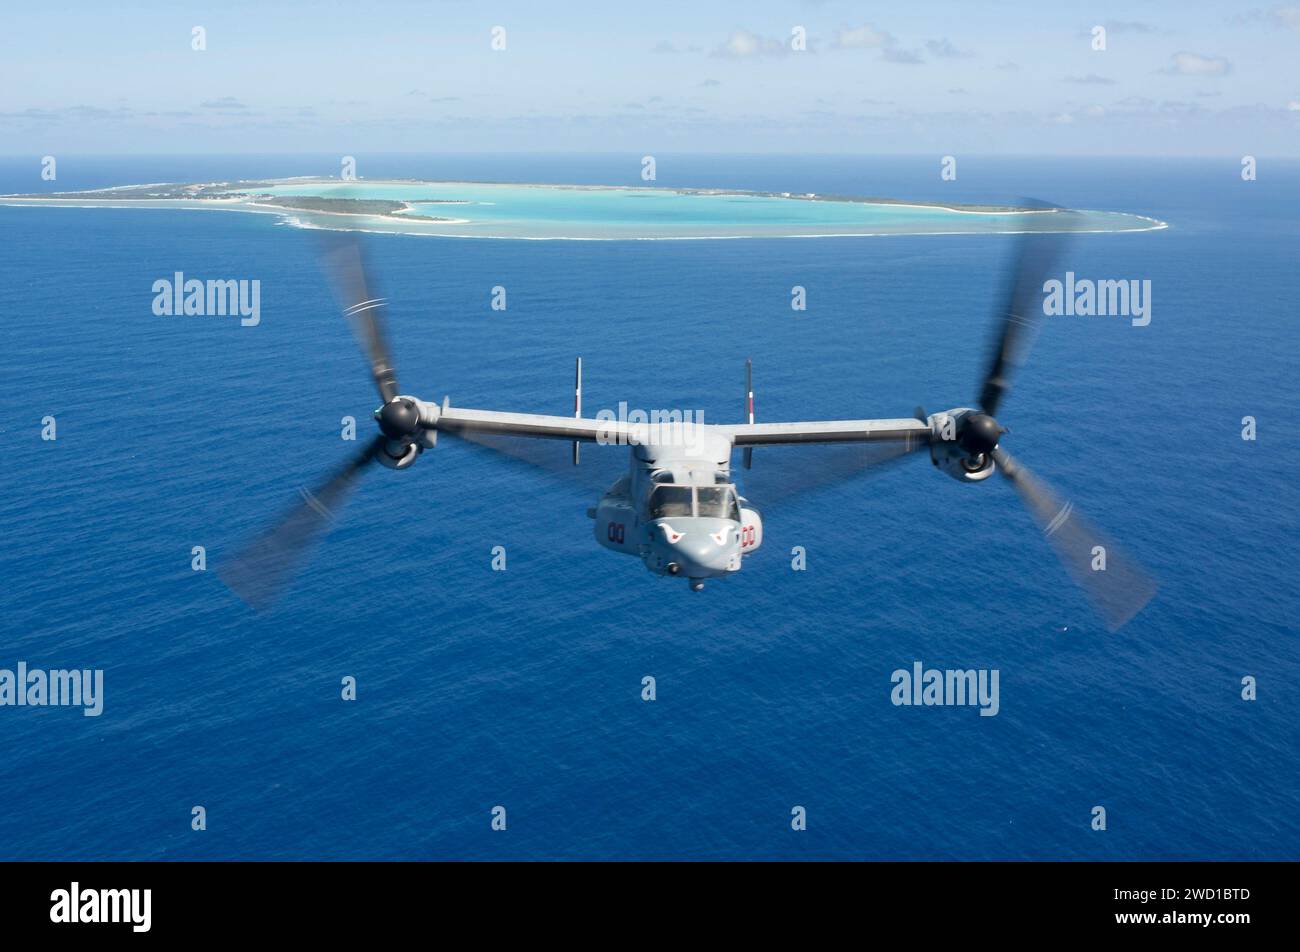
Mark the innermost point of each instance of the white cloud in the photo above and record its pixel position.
(1193, 64)
(893, 54)
(867, 37)
(1279, 18)
(945, 50)
(863, 37)
(1288, 17)
(743, 44)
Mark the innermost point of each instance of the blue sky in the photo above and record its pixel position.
(1188, 78)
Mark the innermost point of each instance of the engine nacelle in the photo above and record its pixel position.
(948, 455)
(968, 469)
(751, 529)
(397, 455)
(616, 525)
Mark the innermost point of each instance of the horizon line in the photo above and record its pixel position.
(1235, 156)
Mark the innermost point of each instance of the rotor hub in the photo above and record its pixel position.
(980, 434)
(399, 419)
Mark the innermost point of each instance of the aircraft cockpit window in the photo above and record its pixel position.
(668, 502)
(718, 502)
(663, 476)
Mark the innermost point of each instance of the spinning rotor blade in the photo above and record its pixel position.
(261, 570)
(343, 260)
(1122, 588)
(550, 459)
(789, 472)
(1022, 305)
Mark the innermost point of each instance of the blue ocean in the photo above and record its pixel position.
(523, 688)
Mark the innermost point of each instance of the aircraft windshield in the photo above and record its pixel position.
(670, 501)
(718, 502)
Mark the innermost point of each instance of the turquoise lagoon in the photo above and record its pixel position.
(484, 210)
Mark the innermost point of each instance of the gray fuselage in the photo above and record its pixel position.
(678, 511)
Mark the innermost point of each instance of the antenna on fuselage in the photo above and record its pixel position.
(577, 407)
(749, 406)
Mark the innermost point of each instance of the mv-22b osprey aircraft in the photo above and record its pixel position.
(677, 508)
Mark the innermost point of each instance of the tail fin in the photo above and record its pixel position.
(577, 407)
(749, 407)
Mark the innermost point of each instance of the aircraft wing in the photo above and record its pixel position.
(910, 432)
(470, 423)
(834, 448)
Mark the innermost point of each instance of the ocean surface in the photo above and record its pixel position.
(522, 688)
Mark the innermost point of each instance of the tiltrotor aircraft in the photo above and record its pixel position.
(677, 508)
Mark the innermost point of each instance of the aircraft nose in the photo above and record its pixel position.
(697, 551)
(703, 553)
